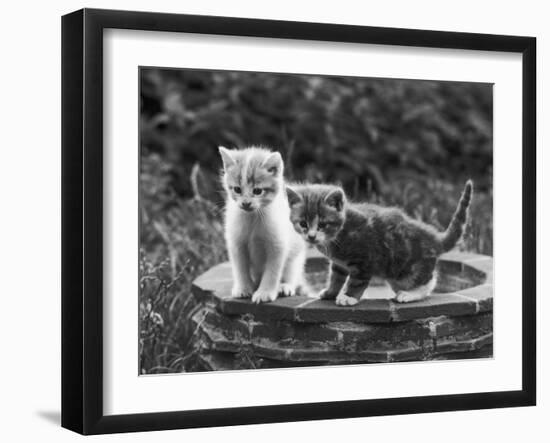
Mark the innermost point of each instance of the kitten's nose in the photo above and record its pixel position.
(246, 206)
(311, 237)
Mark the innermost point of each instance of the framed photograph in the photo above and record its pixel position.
(269, 221)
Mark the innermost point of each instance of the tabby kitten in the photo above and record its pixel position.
(364, 240)
(266, 254)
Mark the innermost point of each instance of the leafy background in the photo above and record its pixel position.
(408, 143)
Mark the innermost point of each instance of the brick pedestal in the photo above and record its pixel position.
(456, 321)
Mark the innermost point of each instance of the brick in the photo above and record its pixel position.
(459, 256)
(463, 345)
(281, 309)
(482, 295)
(217, 361)
(474, 275)
(216, 340)
(293, 331)
(483, 352)
(211, 279)
(335, 356)
(433, 306)
(365, 356)
(482, 263)
(320, 353)
(387, 336)
(411, 353)
(451, 282)
(214, 285)
(446, 266)
(367, 310)
(447, 326)
(231, 328)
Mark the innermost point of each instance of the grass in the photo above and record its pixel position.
(182, 238)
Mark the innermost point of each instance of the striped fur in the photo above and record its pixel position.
(456, 227)
(364, 240)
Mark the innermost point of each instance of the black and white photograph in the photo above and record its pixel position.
(275, 221)
(292, 220)
(281, 221)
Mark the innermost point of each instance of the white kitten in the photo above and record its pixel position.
(266, 253)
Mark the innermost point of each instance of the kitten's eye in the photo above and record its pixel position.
(321, 225)
(303, 224)
(237, 189)
(257, 191)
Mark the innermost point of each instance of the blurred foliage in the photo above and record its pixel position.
(410, 144)
(350, 130)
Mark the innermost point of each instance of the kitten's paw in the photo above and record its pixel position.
(346, 300)
(325, 294)
(287, 290)
(239, 291)
(264, 296)
(406, 297)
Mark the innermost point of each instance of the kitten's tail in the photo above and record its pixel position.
(454, 232)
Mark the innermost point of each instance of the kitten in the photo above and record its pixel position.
(366, 240)
(266, 254)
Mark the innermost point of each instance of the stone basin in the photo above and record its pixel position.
(453, 322)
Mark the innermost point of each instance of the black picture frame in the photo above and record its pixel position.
(82, 220)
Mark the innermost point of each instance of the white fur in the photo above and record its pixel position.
(266, 253)
(345, 300)
(417, 293)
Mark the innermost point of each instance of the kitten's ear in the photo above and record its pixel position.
(293, 197)
(227, 157)
(274, 163)
(336, 199)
